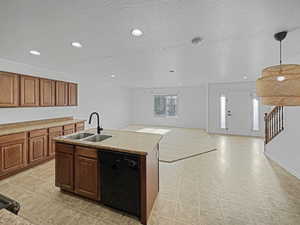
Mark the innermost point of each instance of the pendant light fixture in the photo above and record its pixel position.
(280, 84)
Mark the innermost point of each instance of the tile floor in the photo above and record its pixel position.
(236, 185)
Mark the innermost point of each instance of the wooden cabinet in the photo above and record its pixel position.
(9, 89)
(61, 93)
(64, 166)
(72, 88)
(79, 126)
(69, 129)
(53, 132)
(38, 145)
(87, 173)
(77, 170)
(13, 153)
(29, 91)
(47, 92)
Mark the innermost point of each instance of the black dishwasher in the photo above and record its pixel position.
(120, 181)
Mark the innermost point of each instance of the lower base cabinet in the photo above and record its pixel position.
(53, 133)
(64, 167)
(24, 150)
(85, 164)
(87, 173)
(13, 153)
(38, 145)
(69, 129)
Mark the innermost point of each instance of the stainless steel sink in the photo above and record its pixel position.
(97, 138)
(79, 136)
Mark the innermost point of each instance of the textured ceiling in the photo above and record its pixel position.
(238, 38)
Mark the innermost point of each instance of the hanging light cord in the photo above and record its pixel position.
(280, 54)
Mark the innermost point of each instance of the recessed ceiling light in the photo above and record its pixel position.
(196, 40)
(113, 76)
(34, 52)
(137, 32)
(76, 44)
(172, 71)
(245, 77)
(280, 78)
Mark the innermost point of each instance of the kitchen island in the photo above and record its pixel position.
(117, 168)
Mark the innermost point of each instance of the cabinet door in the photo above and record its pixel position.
(86, 176)
(51, 150)
(79, 126)
(30, 91)
(61, 93)
(9, 89)
(12, 156)
(47, 92)
(72, 94)
(64, 165)
(69, 129)
(37, 148)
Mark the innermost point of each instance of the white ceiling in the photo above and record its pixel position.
(238, 38)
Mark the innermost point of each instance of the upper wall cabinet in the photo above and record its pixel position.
(72, 94)
(47, 92)
(9, 89)
(18, 90)
(30, 91)
(61, 93)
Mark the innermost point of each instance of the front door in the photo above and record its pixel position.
(238, 113)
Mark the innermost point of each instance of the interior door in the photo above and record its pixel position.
(239, 111)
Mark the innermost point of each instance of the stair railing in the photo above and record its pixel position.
(273, 123)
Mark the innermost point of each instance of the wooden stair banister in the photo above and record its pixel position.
(273, 123)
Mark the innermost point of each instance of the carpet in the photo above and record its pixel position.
(179, 143)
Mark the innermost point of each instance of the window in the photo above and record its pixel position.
(165, 105)
(255, 112)
(223, 112)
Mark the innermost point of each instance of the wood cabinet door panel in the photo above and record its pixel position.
(70, 131)
(51, 150)
(12, 156)
(64, 166)
(72, 94)
(79, 126)
(37, 148)
(61, 93)
(47, 92)
(86, 177)
(30, 91)
(9, 89)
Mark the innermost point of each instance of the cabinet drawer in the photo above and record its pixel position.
(36, 133)
(69, 127)
(79, 126)
(86, 152)
(55, 129)
(12, 137)
(65, 148)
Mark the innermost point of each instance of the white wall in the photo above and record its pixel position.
(215, 91)
(284, 149)
(191, 107)
(111, 101)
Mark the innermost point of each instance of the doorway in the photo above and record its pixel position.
(239, 113)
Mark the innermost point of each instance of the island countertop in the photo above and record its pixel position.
(8, 218)
(121, 140)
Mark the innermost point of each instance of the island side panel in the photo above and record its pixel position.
(149, 182)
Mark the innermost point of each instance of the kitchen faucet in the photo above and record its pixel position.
(99, 129)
